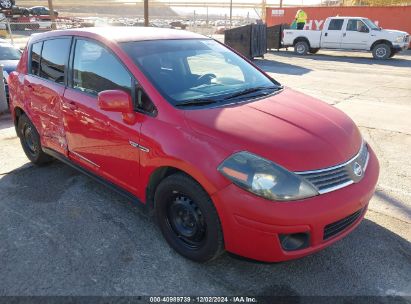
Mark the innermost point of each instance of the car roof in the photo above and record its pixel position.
(122, 33)
(350, 17)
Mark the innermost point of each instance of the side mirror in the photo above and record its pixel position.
(115, 101)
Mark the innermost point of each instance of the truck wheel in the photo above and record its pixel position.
(6, 4)
(187, 218)
(381, 51)
(314, 51)
(301, 48)
(30, 141)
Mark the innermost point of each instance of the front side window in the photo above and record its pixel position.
(35, 58)
(54, 59)
(356, 25)
(95, 69)
(335, 25)
(371, 24)
(189, 71)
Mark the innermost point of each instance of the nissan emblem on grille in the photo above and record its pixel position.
(357, 169)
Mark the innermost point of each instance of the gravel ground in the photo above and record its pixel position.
(61, 233)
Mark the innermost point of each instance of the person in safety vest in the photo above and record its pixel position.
(300, 19)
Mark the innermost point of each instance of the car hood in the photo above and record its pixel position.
(292, 129)
(9, 65)
(392, 33)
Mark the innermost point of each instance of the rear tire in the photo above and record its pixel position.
(30, 141)
(301, 48)
(381, 51)
(188, 219)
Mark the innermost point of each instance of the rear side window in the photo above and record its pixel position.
(54, 59)
(35, 58)
(96, 69)
(335, 24)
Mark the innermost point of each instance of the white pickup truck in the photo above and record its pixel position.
(348, 33)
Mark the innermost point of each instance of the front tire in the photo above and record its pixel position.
(30, 141)
(381, 51)
(188, 219)
(301, 48)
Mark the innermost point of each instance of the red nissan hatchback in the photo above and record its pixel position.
(223, 155)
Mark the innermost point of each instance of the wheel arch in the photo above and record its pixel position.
(160, 173)
(17, 113)
(301, 38)
(389, 43)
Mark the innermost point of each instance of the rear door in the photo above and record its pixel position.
(355, 35)
(44, 88)
(100, 140)
(331, 37)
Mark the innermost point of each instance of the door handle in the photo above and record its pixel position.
(30, 87)
(344, 34)
(326, 34)
(72, 105)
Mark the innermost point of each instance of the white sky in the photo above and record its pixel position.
(236, 12)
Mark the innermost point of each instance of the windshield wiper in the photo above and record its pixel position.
(251, 90)
(196, 102)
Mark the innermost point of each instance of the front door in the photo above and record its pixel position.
(356, 35)
(44, 88)
(99, 140)
(331, 37)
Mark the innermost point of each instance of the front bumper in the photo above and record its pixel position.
(398, 47)
(251, 225)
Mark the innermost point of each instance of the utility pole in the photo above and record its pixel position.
(52, 16)
(146, 13)
(231, 13)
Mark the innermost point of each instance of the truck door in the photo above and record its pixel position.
(331, 36)
(44, 87)
(355, 35)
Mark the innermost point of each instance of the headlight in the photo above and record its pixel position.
(399, 39)
(264, 178)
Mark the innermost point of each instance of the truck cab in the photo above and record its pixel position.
(348, 33)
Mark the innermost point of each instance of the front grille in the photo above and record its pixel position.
(337, 177)
(406, 38)
(335, 228)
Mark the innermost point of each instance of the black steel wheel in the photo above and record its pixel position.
(30, 141)
(188, 219)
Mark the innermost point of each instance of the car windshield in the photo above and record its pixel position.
(371, 24)
(9, 53)
(197, 71)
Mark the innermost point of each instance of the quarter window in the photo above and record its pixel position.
(54, 59)
(35, 58)
(95, 69)
(335, 24)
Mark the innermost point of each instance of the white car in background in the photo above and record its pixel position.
(348, 33)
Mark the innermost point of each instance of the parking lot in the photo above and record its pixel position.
(62, 233)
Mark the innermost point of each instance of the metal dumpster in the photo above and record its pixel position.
(274, 36)
(249, 40)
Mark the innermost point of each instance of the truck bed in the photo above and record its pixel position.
(313, 36)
